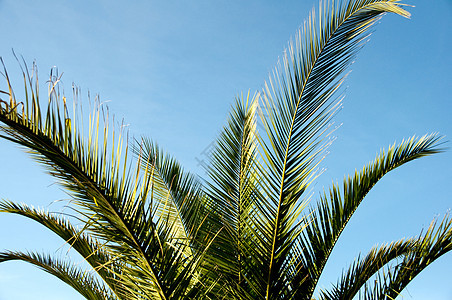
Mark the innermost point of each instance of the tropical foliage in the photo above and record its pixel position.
(150, 230)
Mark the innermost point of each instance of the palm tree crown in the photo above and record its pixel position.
(153, 231)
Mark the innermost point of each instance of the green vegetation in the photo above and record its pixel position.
(152, 231)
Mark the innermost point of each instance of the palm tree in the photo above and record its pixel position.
(150, 230)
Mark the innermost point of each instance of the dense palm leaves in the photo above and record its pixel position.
(152, 231)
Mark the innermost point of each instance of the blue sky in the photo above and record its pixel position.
(171, 69)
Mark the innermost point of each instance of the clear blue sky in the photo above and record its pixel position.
(171, 69)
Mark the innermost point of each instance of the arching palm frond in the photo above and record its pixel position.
(110, 195)
(88, 247)
(178, 204)
(364, 268)
(436, 241)
(335, 209)
(82, 281)
(392, 279)
(299, 103)
(176, 195)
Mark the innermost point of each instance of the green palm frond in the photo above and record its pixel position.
(299, 104)
(178, 205)
(431, 245)
(392, 267)
(110, 195)
(232, 188)
(176, 196)
(82, 281)
(335, 209)
(90, 249)
(364, 268)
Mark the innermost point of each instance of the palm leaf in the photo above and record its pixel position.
(233, 179)
(299, 104)
(178, 203)
(365, 268)
(176, 195)
(332, 213)
(153, 231)
(90, 249)
(430, 246)
(110, 195)
(411, 257)
(82, 281)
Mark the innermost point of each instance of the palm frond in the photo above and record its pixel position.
(232, 187)
(430, 246)
(334, 210)
(178, 203)
(385, 272)
(364, 268)
(176, 196)
(109, 194)
(88, 247)
(299, 104)
(82, 281)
